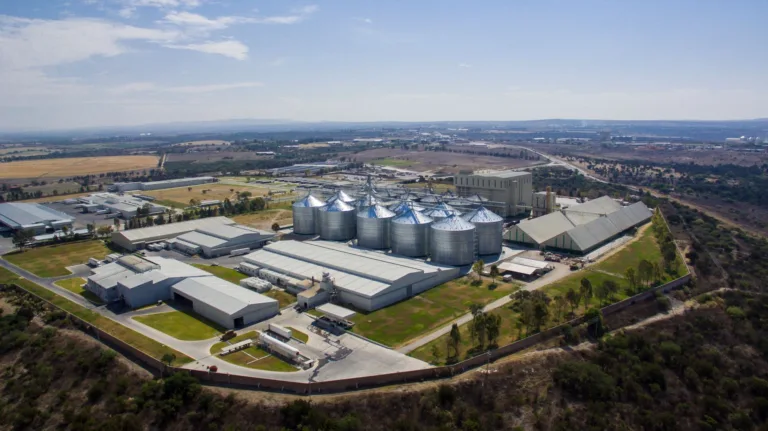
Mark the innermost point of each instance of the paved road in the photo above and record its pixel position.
(559, 272)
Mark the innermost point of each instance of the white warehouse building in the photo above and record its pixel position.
(124, 206)
(141, 281)
(367, 280)
(157, 185)
(35, 218)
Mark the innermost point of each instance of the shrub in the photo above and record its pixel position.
(585, 380)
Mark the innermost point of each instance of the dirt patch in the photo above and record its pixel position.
(444, 162)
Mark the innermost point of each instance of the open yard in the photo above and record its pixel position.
(180, 196)
(68, 167)
(444, 161)
(265, 219)
(75, 285)
(406, 320)
(252, 357)
(52, 260)
(284, 298)
(183, 325)
(229, 274)
(135, 339)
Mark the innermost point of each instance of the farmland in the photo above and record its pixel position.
(442, 161)
(182, 195)
(265, 219)
(210, 142)
(55, 168)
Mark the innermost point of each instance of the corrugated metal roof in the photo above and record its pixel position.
(308, 201)
(336, 311)
(441, 210)
(368, 200)
(579, 218)
(601, 205)
(589, 235)
(530, 262)
(375, 211)
(481, 215)
(340, 196)
(501, 174)
(201, 239)
(541, 229)
(170, 229)
(17, 215)
(453, 223)
(337, 206)
(220, 294)
(405, 206)
(514, 267)
(411, 216)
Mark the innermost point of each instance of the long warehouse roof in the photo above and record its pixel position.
(220, 294)
(17, 215)
(170, 229)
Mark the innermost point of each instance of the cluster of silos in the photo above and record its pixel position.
(441, 211)
(337, 218)
(452, 241)
(489, 230)
(410, 233)
(305, 215)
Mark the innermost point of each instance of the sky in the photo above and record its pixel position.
(97, 63)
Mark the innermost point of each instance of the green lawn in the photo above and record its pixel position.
(75, 285)
(301, 336)
(229, 274)
(135, 339)
(245, 358)
(406, 320)
(284, 298)
(645, 247)
(52, 260)
(183, 325)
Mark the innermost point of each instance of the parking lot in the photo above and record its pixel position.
(81, 219)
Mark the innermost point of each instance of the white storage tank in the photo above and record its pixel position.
(410, 234)
(278, 346)
(452, 241)
(304, 213)
(489, 230)
(281, 330)
(338, 221)
(374, 225)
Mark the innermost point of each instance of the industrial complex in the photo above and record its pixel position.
(157, 185)
(36, 218)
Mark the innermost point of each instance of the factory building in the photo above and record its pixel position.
(220, 239)
(580, 228)
(367, 280)
(140, 281)
(157, 185)
(512, 188)
(136, 239)
(124, 206)
(36, 218)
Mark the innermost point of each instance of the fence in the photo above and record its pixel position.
(302, 388)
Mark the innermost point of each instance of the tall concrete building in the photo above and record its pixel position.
(513, 188)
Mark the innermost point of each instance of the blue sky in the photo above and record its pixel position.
(83, 63)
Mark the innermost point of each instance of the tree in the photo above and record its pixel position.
(455, 339)
(611, 288)
(601, 293)
(477, 267)
(160, 219)
(595, 325)
(22, 238)
(91, 229)
(103, 231)
(560, 304)
(478, 328)
(573, 298)
(585, 288)
(244, 195)
(645, 272)
(435, 353)
(65, 230)
(168, 358)
(631, 277)
(275, 227)
(494, 272)
(492, 328)
(117, 224)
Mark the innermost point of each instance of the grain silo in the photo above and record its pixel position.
(403, 206)
(441, 211)
(341, 196)
(410, 233)
(374, 225)
(430, 199)
(452, 241)
(366, 201)
(489, 230)
(337, 221)
(304, 213)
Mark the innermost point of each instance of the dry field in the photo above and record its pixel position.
(265, 219)
(214, 156)
(201, 143)
(439, 161)
(67, 167)
(314, 145)
(182, 195)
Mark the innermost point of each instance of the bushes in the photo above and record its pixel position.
(585, 380)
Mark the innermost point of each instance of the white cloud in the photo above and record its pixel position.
(465, 65)
(147, 87)
(228, 48)
(196, 20)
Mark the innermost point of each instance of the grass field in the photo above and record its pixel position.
(52, 260)
(75, 285)
(229, 274)
(265, 219)
(67, 167)
(182, 325)
(283, 298)
(406, 320)
(644, 247)
(247, 358)
(182, 195)
(135, 339)
(299, 335)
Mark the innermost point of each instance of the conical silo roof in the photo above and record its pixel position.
(308, 201)
(367, 200)
(337, 206)
(481, 215)
(404, 206)
(376, 211)
(477, 198)
(442, 210)
(411, 216)
(430, 199)
(453, 223)
(341, 196)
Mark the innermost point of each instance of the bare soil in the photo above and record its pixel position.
(214, 156)
(443, 162)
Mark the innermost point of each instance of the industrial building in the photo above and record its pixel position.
(580, 228)
(36, 218)
(367, 280)
(125, 206)
(157, 185)
(514, 189)
(140, 281)
(213, 235)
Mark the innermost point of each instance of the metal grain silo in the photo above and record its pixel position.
(304, 213)
(489, 230)
(430, 199)
(410, 233)
(374, 225)
(441, 211)
(337, 221)
(452, 241)
(366, 201)
(403, 206)
(340, 196)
